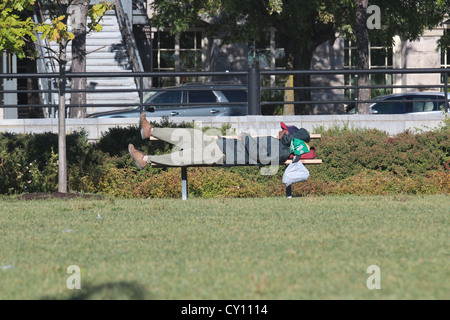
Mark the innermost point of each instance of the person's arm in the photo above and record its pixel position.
(286, 140)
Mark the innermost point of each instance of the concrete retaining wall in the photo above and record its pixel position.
(392, 124)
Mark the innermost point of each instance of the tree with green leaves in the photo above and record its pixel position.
(16, 27)
(57, 31)
(302, 25)
(17, 31)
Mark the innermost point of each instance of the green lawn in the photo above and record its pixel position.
(266, 248)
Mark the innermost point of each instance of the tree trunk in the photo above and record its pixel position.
(78, 13)
(299, 58)
(302, 61)
(362, 43)
(62, 150)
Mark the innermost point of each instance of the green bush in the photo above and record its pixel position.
(348, 152)
(203, 182)
(29, 162)
(216, 182)
(377, 183)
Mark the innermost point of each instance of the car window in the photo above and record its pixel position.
(391, 107)
(166, 97)
(441, 104)
(235, 95)
(201, 96)
(424, 103)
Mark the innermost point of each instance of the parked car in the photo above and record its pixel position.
(409, 103)
(189, 100)
(424, 102)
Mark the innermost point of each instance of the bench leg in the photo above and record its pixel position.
(289, 191)
(184, 183)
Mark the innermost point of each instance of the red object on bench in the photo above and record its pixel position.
(310, 155)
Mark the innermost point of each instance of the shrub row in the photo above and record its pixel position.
(349, 152)
(215, 182)
(356, 161)
(29, 162)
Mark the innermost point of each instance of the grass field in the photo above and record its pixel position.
(267, 248)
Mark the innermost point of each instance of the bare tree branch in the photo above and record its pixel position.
(76, 57)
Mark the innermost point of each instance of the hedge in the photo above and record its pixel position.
(355, 161)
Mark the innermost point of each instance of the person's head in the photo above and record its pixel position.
(286, 130)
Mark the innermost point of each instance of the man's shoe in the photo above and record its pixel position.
(138, 156)
(146, 127)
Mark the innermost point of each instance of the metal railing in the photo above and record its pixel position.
(252, 80)
(123, 17)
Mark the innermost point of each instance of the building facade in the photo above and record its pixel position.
(129, 43)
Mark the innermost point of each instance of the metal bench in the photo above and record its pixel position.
(184, 180)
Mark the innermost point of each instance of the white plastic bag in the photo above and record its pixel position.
(295, 172)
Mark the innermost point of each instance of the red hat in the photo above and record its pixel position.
(290, 129)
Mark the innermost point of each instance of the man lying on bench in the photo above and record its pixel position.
(194, 148)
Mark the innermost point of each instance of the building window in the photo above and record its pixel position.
(379, 58)
(191, 51)
(265, 55)
(177, 53)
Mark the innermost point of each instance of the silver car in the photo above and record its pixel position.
(189, 100)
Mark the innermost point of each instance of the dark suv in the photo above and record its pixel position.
(424, 102)
(401, 103)
(189, 100)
